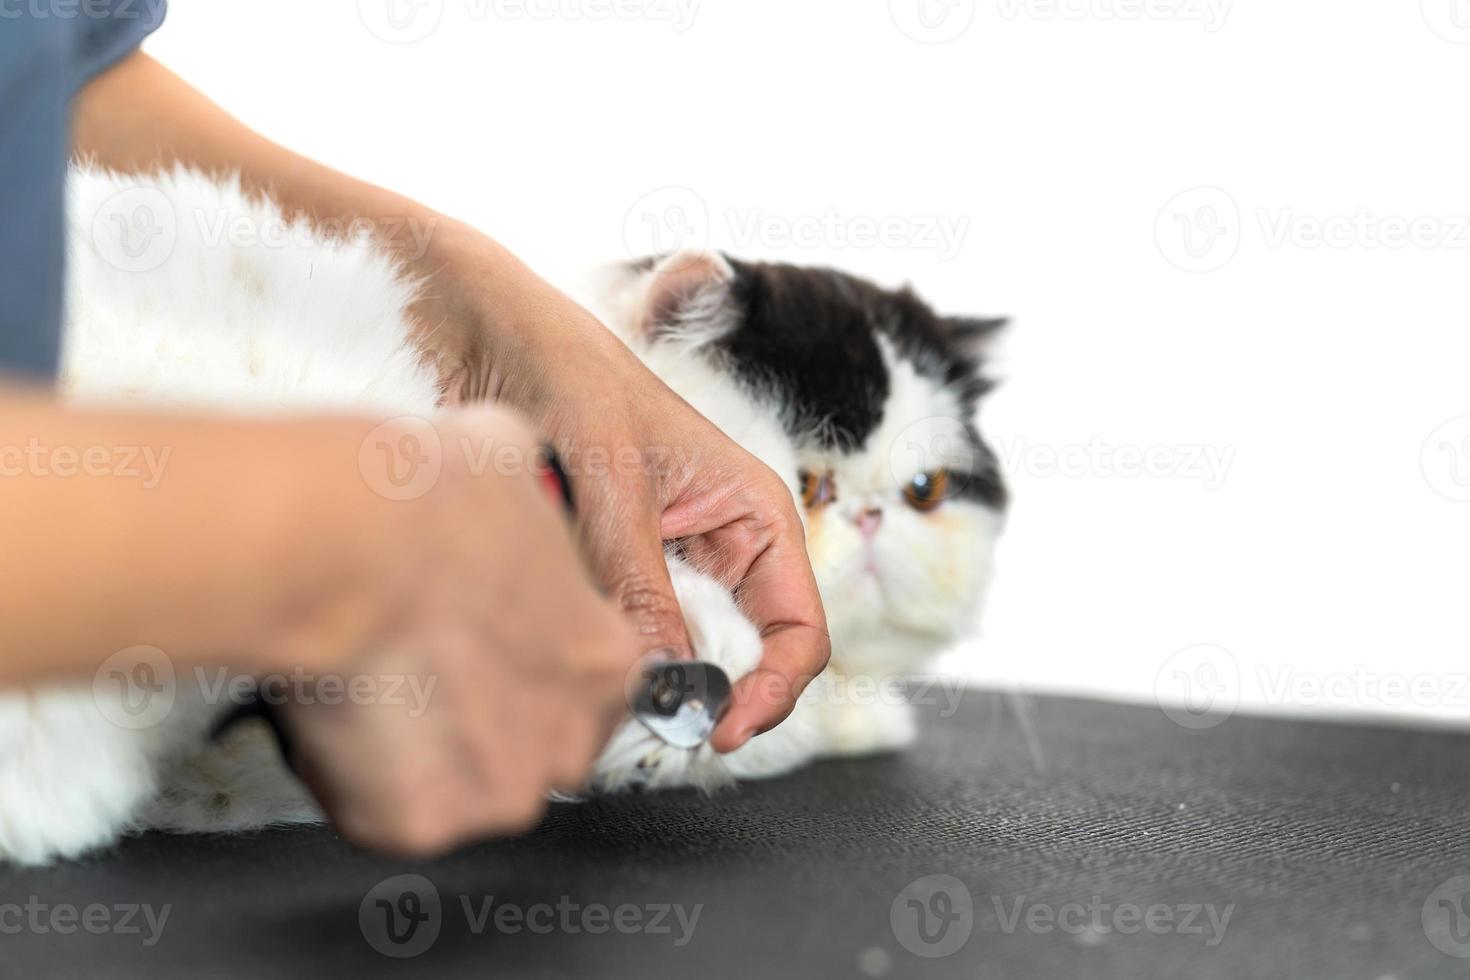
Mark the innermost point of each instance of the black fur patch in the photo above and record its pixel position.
(810, 337)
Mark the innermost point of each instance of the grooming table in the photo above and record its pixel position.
(1336, 848)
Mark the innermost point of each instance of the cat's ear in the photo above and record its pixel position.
(972, 337)
(684, 290)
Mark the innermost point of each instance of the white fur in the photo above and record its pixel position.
(242, 324)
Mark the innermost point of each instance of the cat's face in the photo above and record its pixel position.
(875, 397)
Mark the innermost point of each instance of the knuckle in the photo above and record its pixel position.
(654, 611)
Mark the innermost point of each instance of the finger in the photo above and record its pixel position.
(779, 593)
(621, 536)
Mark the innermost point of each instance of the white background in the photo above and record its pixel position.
(1058, 137)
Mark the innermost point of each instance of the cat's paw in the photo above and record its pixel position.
(237, 782)
(856, 719)
(70, 780)
(721, 635)
(635, 758)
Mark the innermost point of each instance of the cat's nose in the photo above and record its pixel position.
(868, 521)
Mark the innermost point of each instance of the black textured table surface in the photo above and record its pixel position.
(1116, 844)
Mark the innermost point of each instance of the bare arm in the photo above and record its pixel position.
(189, 535)
(139, 115)
(498, 330)
(261, 545)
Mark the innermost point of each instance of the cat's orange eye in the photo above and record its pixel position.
(817, 489)
(927, 490)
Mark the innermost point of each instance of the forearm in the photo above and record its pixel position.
(488, 320)
(196, 537)
(139, 116)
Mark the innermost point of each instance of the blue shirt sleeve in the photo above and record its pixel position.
(47, 52)
(112, 30)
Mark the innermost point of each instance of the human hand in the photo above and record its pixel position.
(646, 467)
(483, 600)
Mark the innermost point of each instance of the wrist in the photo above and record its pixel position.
(329, 560)
(493, 325)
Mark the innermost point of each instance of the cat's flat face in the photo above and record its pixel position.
(864, 400)
(903, 500)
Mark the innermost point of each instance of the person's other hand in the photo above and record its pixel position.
(646, 467)
(521, 663)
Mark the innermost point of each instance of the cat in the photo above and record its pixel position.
(862, 398)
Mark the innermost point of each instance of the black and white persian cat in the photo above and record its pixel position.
(863, 399)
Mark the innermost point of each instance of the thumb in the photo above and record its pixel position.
(627, 556)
